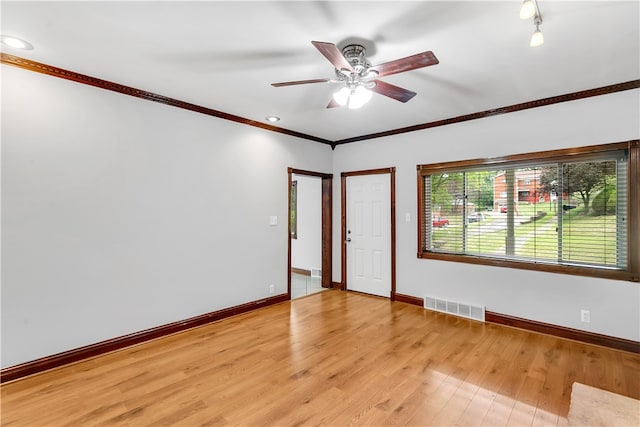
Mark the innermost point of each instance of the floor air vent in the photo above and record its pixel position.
(456, 308)
(316, 272)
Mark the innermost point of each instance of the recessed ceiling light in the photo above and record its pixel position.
(272, 119)
(15, 43)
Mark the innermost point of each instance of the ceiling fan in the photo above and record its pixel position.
(360, 78)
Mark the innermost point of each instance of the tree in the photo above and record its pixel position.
(549, 179)
(583, 178)
(604, 202)
(443, 190)
(480, 188)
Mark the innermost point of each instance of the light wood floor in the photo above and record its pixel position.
(333, 358)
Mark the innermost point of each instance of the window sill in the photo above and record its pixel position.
(575, 270)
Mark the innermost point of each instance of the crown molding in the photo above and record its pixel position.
(50, 70)
(573, 96)
(39, 67)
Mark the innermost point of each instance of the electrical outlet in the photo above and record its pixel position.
(585, 316)
(272, 289)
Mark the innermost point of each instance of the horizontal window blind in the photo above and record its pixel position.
(590, 221)
(571, 213)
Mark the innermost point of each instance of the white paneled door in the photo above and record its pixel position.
(369, 234)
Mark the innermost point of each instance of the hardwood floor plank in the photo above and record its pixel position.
(434, 401)
(333, 358)
(477, 409)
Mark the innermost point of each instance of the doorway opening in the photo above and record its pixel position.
(309, 259)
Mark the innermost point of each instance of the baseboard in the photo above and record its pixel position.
(545, 328)
(408, 299)
(337, 285)
(43, 364)
(564, 332)
(301, 271)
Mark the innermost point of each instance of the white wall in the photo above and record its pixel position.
(545, 297)
(306, 250)
(120, 214)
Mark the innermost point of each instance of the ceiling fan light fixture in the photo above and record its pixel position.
(342, 96)
(358, 97)
(527, 10)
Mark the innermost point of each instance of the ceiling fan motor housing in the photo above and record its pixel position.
(354, 53)
(360, 76)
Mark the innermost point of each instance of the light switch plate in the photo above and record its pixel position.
(273, 220)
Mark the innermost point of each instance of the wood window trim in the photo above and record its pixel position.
(632, 273)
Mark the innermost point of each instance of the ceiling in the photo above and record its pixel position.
(224, 55)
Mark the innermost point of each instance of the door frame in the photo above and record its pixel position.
(343, 218)
(327, 231)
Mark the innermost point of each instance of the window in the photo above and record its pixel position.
(574, 215)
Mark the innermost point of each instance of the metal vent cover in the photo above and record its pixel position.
(470, 311)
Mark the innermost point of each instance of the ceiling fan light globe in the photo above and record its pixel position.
(359, 97)
(527, 10)
(342, 96)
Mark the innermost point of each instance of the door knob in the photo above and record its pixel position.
(348, 239)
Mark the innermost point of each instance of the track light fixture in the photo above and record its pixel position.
(527, 10)
(530, 9)
(537, 38)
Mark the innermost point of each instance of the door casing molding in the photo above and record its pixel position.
(327, 230)
(343, 219)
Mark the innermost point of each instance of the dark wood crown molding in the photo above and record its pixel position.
(605, 90)
(50, 70)
(150, 96)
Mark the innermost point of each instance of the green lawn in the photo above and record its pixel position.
(585, 238)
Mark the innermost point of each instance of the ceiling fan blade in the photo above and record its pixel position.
(395, 92)
(331, 52)
(300, 82)
(412, 62)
